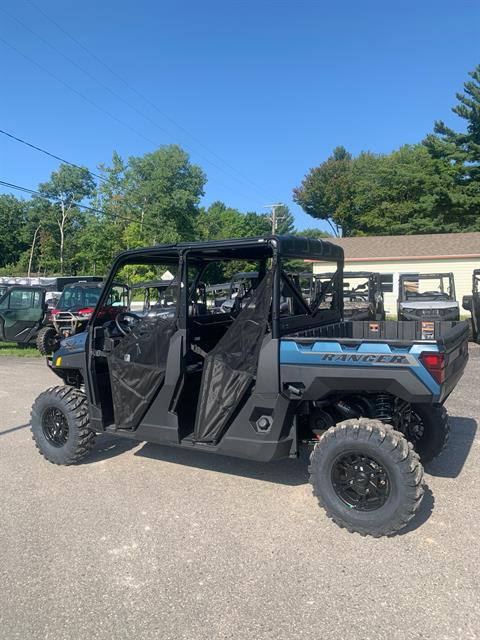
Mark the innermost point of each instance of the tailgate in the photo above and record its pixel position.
(454, 344)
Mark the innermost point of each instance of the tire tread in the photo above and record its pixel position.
(394, 444)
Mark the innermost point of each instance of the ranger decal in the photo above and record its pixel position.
(365, 358)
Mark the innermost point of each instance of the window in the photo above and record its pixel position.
(22, 299)
(386, 280)
(145, 289)
(427, 287)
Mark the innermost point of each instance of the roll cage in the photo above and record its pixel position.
(162, 357)
(273, 249)
(404, 294)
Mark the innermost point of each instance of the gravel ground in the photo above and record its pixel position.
(144, 541)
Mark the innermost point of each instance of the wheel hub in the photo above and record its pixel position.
(55, 426)
(360, 482)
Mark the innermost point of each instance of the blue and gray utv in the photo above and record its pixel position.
(275, 374)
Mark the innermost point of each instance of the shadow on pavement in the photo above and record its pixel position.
(21, 426)
(289, 472)
(424, 512)
(450, 462)
(107, 446)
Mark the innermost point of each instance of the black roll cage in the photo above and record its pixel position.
(425, 276)
(256, 248)
(476, 281)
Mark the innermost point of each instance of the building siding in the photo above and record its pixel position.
(460, 267)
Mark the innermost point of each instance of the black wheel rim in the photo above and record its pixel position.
(55, 426)
(414, 429)
(360, 482)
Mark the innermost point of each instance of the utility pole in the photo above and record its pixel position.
(273, 217)
(33, 249)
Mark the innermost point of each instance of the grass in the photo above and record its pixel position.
(11, 349)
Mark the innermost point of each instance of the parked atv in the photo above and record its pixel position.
(26, 304)
(362, 294)
(365, 397)
(472, 303)
(158, 298)
(74, 309)
(427, 297)
(154, 297)
(241, 287)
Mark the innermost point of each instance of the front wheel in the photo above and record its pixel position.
(47, 341)
(367, 477)
(60, 425)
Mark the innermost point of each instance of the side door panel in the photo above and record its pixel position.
(22, 310)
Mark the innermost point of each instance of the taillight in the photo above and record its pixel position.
(86, 313)
(434, 363)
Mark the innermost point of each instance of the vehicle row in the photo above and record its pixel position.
(29, 314)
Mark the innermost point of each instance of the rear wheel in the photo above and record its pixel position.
(367, 477)
(428, 430)
(47, 341)
(60, 425)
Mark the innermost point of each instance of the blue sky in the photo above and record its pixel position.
(257, 92)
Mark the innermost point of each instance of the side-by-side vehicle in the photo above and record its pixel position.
(471, 303)
(427, 296)
(26, 315)
(362, 294)
(280, 373)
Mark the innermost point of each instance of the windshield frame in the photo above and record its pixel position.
(441, 296)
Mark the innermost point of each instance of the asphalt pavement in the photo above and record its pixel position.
(143, 541)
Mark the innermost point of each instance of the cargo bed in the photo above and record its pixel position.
(389, 349)
(445, 334)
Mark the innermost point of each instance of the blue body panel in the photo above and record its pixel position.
(365, 355)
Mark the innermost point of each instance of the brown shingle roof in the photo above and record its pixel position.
(433, 245)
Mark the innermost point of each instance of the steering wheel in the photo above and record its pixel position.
(122, 318)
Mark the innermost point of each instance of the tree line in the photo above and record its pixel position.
(77, 225)
(429, 187)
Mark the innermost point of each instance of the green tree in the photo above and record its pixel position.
(326, 192)
(13, 214)
(462, 150)
(68, 187)
(285, 221)
(316, 234)
(219, 222)
(162, 192)
(405, 192)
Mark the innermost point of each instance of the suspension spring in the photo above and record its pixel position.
(384, 407)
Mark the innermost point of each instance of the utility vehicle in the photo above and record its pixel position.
(241, 286)
(362, 295)
(366, 397)
(26, 303)
(151, 298)
(73, 310)
(472, 303)
(427, 296)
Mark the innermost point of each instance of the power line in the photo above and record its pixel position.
(118, 96)
(78, 93)
(32, 192)
(87, 99)
(52, 155)
(141, 95)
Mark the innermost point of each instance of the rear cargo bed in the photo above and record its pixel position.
(446, 334)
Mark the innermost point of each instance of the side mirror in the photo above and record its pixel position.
(467, 303)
